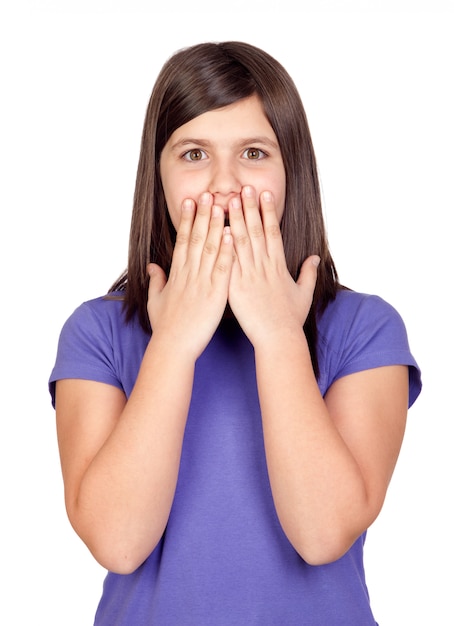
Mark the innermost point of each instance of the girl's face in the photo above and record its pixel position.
(221, 151)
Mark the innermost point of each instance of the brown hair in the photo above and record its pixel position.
(193, 81)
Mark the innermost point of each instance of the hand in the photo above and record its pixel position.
(262, 294)
(188, 307)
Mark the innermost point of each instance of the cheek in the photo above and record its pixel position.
(173, 207)
(175, 191)
(277, 186)
(280, 203)
(175, 217)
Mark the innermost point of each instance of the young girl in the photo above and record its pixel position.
(229, 416)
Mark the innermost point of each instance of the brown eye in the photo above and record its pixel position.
(254, 154)
(194, 155)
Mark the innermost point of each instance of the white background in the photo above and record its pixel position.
(376, 80)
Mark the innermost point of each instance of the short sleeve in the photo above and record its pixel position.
(85, 350)
(362, 332)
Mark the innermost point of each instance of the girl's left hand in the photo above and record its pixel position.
(262, 294)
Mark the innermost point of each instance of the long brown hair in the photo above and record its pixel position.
(193, 81)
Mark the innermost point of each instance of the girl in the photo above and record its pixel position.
(229, 416)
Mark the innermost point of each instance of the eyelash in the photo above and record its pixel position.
(186, 155)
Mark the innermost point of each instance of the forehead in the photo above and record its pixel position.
(242, 118)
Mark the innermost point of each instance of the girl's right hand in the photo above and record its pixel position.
(186, 309)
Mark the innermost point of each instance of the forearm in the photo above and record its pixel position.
(126, 493)
(317, 485)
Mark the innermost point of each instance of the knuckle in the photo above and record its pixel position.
(273, 231)
(209, 248)
(221, 267)
(256, 231)
(196, 238)
(181, 239)
(242, 240)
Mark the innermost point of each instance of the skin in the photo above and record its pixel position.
(219, 153)
(330, 459)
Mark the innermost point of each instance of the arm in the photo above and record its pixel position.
(329, 459)
(120, 459)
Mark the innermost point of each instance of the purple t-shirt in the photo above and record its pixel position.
(224, 559)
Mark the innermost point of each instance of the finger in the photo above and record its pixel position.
(253, 219)
(251, 210)
(213, 241)
(157, 278)
(224, 261)
(308, 274)
(200, 228)
(239, 231)
(184, 230)
(271, 227)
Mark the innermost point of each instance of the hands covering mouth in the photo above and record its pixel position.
(231, 255)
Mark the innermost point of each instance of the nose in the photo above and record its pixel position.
(224, 182)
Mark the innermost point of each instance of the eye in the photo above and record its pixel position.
(254, 154)
(194, 155)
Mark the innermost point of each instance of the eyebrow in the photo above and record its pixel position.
(206, 143)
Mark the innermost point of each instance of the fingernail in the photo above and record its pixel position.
(316, 261)
(235, 202)
(248, 191)
(267, 196)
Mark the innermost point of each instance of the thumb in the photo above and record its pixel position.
(157, 278)
(308, 273)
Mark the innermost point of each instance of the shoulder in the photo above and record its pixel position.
(361, 312)
(98, 312)
(96, 343)
(348, 303)
(100, 322)
(360, 331)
